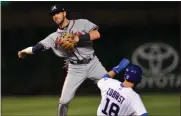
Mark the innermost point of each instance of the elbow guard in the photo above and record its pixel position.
(38, 48)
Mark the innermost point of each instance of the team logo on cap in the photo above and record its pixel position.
(54, 7)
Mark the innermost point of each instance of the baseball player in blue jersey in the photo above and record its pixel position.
(82, 61)
(119, 99)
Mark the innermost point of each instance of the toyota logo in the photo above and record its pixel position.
(156, 59)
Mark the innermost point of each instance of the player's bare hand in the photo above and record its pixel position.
(22, 54)
(76, 38)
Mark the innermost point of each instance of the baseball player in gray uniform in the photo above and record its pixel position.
(82, 61)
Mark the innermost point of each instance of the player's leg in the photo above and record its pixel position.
(62, 109)
(75, 77)
(96, 70)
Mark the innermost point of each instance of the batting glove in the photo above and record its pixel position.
(123, 64)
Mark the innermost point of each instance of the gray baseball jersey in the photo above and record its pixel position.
(79, 72)
(80, 26)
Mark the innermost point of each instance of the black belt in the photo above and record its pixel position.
(84, 61)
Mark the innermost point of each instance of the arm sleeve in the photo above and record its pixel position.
(38, 48)
(138, 107)
(88, 26)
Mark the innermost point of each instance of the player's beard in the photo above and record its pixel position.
(61, 22)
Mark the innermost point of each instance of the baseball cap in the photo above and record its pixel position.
(55, 9)
(133, 73)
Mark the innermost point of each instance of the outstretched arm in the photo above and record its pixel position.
(104, 83)
(31, 50)
(123, 64)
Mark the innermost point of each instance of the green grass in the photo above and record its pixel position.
(156, 105)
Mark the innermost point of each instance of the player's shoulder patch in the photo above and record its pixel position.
(105, 78)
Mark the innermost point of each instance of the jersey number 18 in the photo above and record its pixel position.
(114, 108)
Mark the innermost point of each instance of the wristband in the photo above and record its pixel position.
(84, 38)
(38, 48)
(28, 50)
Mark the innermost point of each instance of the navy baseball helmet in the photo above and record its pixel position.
(55, 9)
(133, 73)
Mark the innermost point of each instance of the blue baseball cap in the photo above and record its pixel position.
(133, 73)
(56, 8)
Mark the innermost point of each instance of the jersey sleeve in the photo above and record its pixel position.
(88, 26)
(138, 106)
(48, 42)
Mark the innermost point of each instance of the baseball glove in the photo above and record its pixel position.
(68, 41)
